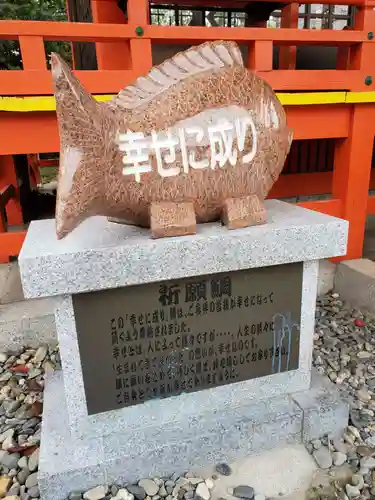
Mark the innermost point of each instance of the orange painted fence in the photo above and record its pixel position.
(124, 51)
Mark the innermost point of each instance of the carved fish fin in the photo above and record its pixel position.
(72, 90)
(195, 60)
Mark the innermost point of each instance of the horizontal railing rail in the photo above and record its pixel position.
(242, 3)
(34, 79)
(97, 32)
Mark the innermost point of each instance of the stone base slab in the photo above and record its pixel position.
(70, 463)
(28, 323)
(99, 255)
(23, 323)
(166, 412)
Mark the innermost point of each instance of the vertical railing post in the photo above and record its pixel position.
(33, 53)
(260, 55)
(141, 50)
(353, 155)
(289, 19)
(8, 176)
(351, 176)
(110, 55)
(362, 55)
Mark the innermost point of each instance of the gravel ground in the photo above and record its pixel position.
(21, 396)
(344, 351)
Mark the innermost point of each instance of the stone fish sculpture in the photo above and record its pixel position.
(199, 139)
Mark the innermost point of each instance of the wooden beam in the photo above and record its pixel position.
(352, 172)
(310, 80)
(7, 193)
(319, 122)
(94, 32)
(290, 185)
(329, 207)
(278, 36)
(40, 82)
(242, 3)
(10, 245)
(24, 133)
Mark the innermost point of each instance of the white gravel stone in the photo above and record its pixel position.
(259, 496)
(97, 493)
(363, 471)
(353, 430)
(364, 355)
(32, 480)
(370, 441)
(49, 367)
(150, 487)
(352, 491)
(338, 458)
(209, 483)
(317, 444)
(349, 438)
(203, 491)
(340, 378)
(6, 434)
(9, 460)
(34, 460)
(123, 494)
(340, 446)
(162, 491)
(23, 475)
(358, 481)
(40, 354)
(368, 462)
(5, 376)
(323, 457)
(363, 395)
(14, 490)
(8, 442)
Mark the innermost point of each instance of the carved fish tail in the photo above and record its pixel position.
(80, 120)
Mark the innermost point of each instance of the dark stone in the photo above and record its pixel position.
(75, 495)
(114, 490)
(23, 475)
(223, 469)
(353, 462)
(244, 492)
(357, 420)
(137, 491)
(181, 494)
(34, 492)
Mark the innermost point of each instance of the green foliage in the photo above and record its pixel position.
(31, 10)
(37, 10)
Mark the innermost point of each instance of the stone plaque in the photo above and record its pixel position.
(161, 339)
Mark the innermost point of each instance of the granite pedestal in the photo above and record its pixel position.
(85, 440)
